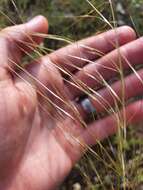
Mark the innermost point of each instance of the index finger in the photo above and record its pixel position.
(91, 48)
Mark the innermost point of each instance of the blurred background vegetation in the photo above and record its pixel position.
(75, 19)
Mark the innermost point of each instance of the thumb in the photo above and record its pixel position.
(20, 39)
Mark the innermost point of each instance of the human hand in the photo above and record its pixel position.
(41, 131)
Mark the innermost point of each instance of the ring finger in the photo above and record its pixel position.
(105, 99)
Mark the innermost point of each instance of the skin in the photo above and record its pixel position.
(37, 148)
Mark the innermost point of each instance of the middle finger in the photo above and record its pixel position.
(94, 74)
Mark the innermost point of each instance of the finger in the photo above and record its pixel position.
(94, 74)
(101, 129)
(107, 98)
(78, 54)
(17, 40)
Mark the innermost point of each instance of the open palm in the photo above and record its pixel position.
(39, 145)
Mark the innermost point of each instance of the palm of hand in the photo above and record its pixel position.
(36, 145)
(31, 143)
(34, 141)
